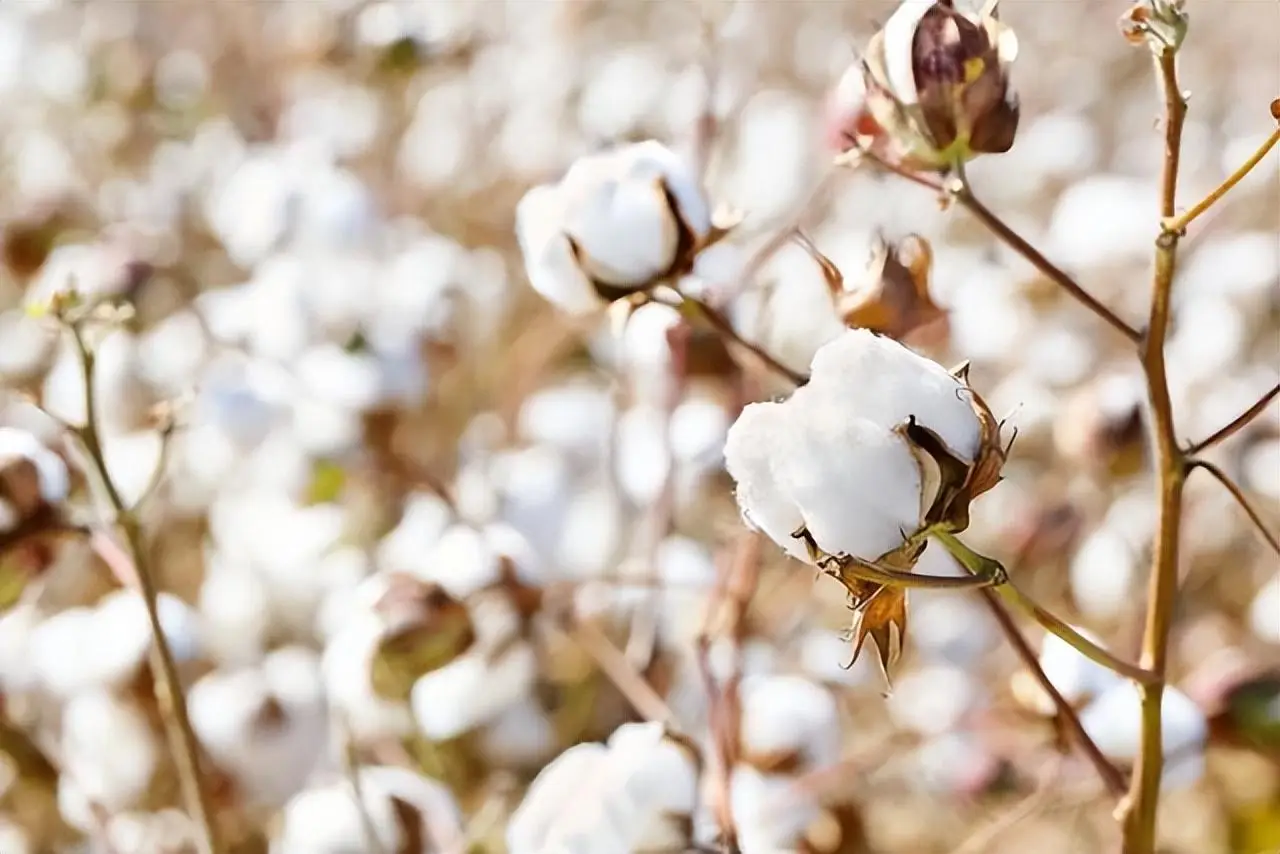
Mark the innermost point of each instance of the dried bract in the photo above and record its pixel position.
(893, 298)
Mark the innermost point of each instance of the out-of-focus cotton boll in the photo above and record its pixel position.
(592, 533)
(627, 795)
(989, 316)
(767, 812)
(934, 699)
(1252, 257)
(622, 91)
(789, 310)
(826, 656)
(95, 272)
(643, 453)
(235, 610)
(1264, 613)
(330, 373)
(533, 487)
(788, 719)
(251, 209)
(172, 353)
(774, 157)
(412, 294)
(347, 669)
(574, 417)
(698, 428)
(646, 352)
(132, 459)
(108, 749)
(27, 343)
(1102, 220)
(523, 736)
(1114, 722)
(399, 805)
(52, 476)
(166, 830)
(119, 396)
(466, 560)
(424, 519)
(1103, 572)
(954, 763)
(717, 274)
(266, 725)
(1208, 342)
(472, 690)
(14, 839)
(1078, 679)
(17, 625)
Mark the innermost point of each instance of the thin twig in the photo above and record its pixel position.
(1138, 813)
(613, 663)
(1238, 494)
(724, 328)
(963, 193)
(182, 738)
(1238, 423)
(1111, 777)
(1178, 224)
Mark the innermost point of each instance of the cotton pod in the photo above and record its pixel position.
(1114, 722)
(1077, 678)
(266, 725)
(636, 792)
(841, 461)
(109, 751)
(937, 86)
(473, 689)
(619, 221)
(403, 810)
(769, 814)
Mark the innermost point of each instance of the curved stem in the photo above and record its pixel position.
(1139, 814)
(1111, 776)
(173, 706)
(1238, 423)
(1238, 495)
(990, 575)
(981, 565)
(1178, 224)
(964, 195)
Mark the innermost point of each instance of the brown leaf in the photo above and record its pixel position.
(893, 299)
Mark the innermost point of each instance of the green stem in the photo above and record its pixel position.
(981, 565)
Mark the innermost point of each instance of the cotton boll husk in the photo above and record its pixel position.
(472, 690)
(266, 725)
(882, 381)
(768, 815)
(108, 749)
(785, 715)
(1114, 721)
(331, 820)
(857, 485)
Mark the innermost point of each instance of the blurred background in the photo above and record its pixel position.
(385, 438)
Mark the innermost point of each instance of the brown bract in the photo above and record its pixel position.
(894, 298)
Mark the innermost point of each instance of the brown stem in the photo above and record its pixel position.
(613, 664)
(1139, 813)
(173, 706)
(724, 328)
(964, 194)
(1111, 777)
(1238, 495)
(1238, 423)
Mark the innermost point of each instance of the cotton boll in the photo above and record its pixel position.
(235, 611)
(768, 814)
(131, 460)
(251, 209)
(1114, 722)
(1264, 613)
(466, 559)
(699, 426)
(591, 535)
(646, 351)
(350, 380)
(750, 458)
(954, 763)
(1102, 574)
(14, 840)
(27, 344)
(51, 470)
(108, 748)
(266, 725)
(1077, 678)
(934, 699)
(347, 669)
(472, 690)
(826, 656)
(788, 716)
(1100, 220)
(425, 518)
(523, 736)
(398, 803)
(533, 486)
(57, 648)
(575, 418)
(773, 161)
(643, 453)
(118, 393)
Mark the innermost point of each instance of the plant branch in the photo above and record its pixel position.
(1238, 423)
(1111, 777)
(724, 328)
(1238, 495)
(182, 738)
(1178, 224)
(1139, 811)
(1012, 596)
(963, 193)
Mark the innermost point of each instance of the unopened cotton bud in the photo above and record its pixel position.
(938, 85)
(618, 222)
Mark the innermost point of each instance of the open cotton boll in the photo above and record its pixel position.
(1264, 613)
(626, 795)
(467, 559)
(472, 690)
(751, 460)
(592, 533)
(1077, 678)
(347, 671)
(533, 487)
(51, 470)
(119, 395)
(1103, 574)
(17, 670)
(424, 518)
(934, 699)
(235, 612)
(108, 749)
(523, 736)
(266, 725)
(646, 352)
(398, 804)
(788, 720)
(1114, 721)
(770, 816)
(643, 453)
(574, 417)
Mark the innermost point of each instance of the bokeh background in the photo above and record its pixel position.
(309, 205)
